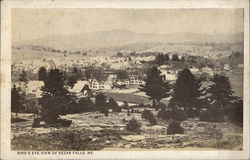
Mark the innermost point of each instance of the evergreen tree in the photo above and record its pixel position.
(55, 98)
(155, 87)
(16, 100)
(186, 91)
(220, 91)
(159, 59)
(42, 73)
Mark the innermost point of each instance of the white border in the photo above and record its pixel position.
(6, 7)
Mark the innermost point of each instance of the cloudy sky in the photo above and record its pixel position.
(29, 24)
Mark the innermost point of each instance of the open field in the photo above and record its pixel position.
(94, 131)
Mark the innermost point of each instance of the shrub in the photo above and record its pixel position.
(152, 121)
(113, 105)
(133, 126)
(128, 114)
(106, 112)
(148, 106)
(60, 123)
(125, 105)
(161, 106)
(141, 105)
(100, 101)
(86, 105)
(163, 114)
(235, 112)
(175, 128)
(146, 114)
(212, 114)
(36, 123)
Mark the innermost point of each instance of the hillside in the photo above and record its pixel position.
(114, 40)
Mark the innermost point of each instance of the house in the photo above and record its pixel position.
(34, 88)
(208, 70)
(194, 70)
(95, 84)
(226, 67)
(79, 86)
(169, 75)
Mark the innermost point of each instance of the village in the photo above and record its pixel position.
(110, 64)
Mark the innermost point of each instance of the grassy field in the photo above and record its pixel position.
(94, 131)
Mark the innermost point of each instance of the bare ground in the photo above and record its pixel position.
(94, 131)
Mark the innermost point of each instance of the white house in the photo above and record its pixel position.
(194, 70)
(34, 87)
(95, 85)
(79, 86)
(208, 70)
(226, 67)
(169, 75)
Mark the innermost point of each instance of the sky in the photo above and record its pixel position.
(30, 24)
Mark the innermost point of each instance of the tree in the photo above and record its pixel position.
(54, 83)
(119, 54)
(23, 76)
(42, 74)
(186, 91)
(122, 75)
(159, 59)
(72, 81)
(220, 91)
(175, 57)
(155, 87)
(55, 98)
(101, 102)
(16, 100)
(92, 73)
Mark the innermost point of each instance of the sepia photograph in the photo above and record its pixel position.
(127, 79)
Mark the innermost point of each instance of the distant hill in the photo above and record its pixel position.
(123, 39)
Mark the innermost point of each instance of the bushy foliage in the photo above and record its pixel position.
(42, 74)
(16, 100)
(220, 91)
(53, 106)
(186, 91)
(155, 87)
(125, 105)
(101, 102)
(86, 105)
(113, 105)
(106, 112)
(235, 112)
(141, 105)
(152, 121)
(173, 113)
(174, 128)
(56, 98)
(36, 123)
(212, 114)
(134, 126)
(148, 115)
(161, 106)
